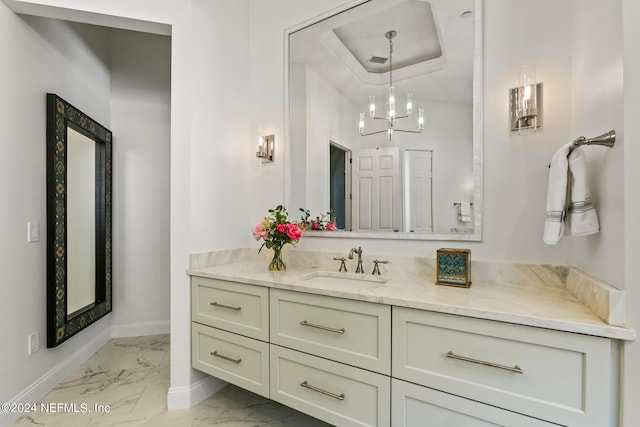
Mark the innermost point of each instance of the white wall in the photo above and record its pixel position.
(328, 119)
(597, 107)
(38, 56)
(140, 102)
(631, 132)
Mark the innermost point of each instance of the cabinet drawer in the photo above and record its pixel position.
(234, 307)
(353, 332)
(413, 405)
(338, 394)
(233, 358)
(547, 374)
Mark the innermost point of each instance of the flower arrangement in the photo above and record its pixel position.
(276, 231)
(326, 221)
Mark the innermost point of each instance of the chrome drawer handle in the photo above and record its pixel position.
(319, 390)
(324, 328)
(236, 361)
(216, 304)
(515, 368)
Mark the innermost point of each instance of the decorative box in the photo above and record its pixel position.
(453, 267)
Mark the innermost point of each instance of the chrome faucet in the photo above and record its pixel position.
(358, 251)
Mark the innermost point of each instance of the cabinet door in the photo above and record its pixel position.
(417, 406)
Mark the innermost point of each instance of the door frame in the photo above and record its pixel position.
(347, 182)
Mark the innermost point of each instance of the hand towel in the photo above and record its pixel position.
(557, 195)
(568, 193)
(582, 219)
(464, 212)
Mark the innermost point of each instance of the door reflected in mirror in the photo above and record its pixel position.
(400, 181)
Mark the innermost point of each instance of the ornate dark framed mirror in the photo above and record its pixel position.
(79, 220)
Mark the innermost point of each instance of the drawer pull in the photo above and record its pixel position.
(236, 361)
(319, 390)
(324, 328)
(216, 304)
(515, 368)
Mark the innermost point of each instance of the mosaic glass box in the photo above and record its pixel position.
(453, 267)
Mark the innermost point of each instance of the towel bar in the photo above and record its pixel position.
(607, 139)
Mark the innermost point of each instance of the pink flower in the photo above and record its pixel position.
(259, 232)
(294, 232)
(281, 228)
(331, 226)
(315, 225)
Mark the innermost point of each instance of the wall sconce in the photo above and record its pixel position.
(526, 102)
(266, 147)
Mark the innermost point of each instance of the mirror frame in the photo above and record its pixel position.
(477, 136)
(60, 116)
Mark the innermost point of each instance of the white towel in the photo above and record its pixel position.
(568, 181)
(464, 211)
(582, 219)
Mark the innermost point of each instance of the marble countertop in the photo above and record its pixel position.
(546, 307)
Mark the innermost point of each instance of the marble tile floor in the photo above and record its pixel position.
(130, 378)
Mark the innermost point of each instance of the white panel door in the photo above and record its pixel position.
(418, 189)
(377, 189)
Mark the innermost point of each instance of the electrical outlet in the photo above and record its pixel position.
(34, 343)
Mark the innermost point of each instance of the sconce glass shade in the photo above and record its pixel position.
(527, 101)
(266, 147)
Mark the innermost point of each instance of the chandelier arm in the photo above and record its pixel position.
(373, 133)
(403, 117)
(407, 131)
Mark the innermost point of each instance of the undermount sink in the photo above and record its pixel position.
(344, 279)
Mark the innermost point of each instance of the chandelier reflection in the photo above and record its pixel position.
(391, 116)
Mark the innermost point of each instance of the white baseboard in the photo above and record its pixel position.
(54, 376)
(140, 329)
(188, 396)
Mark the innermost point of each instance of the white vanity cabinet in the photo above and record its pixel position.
(558, 377)
(356, 363)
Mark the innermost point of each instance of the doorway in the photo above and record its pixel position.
(340, 185)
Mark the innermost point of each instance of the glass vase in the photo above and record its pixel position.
(277, 262)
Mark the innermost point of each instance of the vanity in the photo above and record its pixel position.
(356, 349)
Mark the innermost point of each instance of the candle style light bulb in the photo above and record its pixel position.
(372, 105)
(409, 103)
(361, 124)
(392, 104)
(420, 118)
(260, 139)
(527, 105)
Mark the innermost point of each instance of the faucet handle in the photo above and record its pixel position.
(343, 266)
(376, 269)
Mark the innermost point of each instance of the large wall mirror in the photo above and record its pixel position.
(410, 168)
(79, 154)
